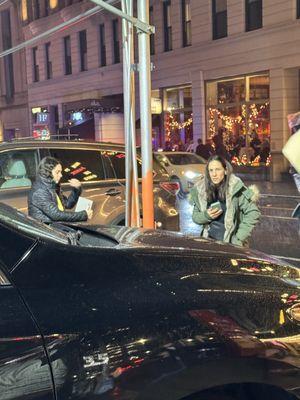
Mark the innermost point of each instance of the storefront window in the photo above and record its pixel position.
(238, 112)
(178, 117)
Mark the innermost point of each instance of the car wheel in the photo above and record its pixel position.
(181, 194)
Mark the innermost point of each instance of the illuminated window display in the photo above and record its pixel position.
(178, 117)
(238, 111)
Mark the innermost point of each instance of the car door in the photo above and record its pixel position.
(24, 367)
(98, 182)
(17, 172)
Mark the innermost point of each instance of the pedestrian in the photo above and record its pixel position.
(220, 148)
(45, 200)
(190, 147)
(224, 207)
(203, 150)
(255, 143)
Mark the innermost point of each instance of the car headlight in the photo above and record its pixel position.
(191, 174)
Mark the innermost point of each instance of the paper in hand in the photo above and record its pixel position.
(83, 204)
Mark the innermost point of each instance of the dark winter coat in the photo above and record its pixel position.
(42, 203)
(242, 213)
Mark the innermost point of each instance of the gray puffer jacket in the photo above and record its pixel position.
(42, 203)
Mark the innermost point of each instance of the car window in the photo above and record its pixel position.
(17, 168)
(117, 159)
(84, 165)
(185, 159)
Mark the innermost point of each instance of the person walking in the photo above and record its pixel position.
(46, 203)
(224, 207)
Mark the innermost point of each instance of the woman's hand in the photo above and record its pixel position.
(75, 183)
(214, 212)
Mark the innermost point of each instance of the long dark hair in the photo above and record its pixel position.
(46, 166)
(217, 192)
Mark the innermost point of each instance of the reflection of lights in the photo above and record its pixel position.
(234, 262)
(188, 276)
(76, 165)
(294, 312)
(191, 174)
(142, 341)
(173, 212)
(90, 177)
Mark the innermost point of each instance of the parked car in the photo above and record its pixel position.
(182, 167)
(94, 312)
(99, 166)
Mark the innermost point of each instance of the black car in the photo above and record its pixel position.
(91, 312)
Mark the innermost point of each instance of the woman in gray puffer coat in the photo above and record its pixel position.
(45, 201)
(224, 207)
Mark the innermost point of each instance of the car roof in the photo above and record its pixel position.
(29, 143)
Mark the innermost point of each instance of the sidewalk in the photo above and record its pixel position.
(278, 233)
(285, 189)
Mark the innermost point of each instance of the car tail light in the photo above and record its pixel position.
(171, 187)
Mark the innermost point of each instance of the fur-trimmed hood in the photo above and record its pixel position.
(235, 185)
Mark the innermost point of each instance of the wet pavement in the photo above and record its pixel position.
(277, 232)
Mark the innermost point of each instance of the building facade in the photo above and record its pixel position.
(14, 118)
(222, 67)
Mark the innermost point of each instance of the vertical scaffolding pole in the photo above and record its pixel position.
(132, 212)
(145, 115)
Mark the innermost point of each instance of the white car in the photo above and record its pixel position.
(182, 167)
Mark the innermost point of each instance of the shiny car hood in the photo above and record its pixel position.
(150, 239)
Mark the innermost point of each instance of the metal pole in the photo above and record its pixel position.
(145, 115)
(145, 27)
(132, 214)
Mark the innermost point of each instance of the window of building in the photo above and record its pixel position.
(48, 61)
(219, 14)
(151, 21)
(84, 165)
(24, 11)
(298, 8)
(35, 67)
(178, 119)
(167, 25)
(253, 15)
(238, 112)
(116, 43)
(186, 23)
(68, 56)
(36, 9)
(102, 47)
(83, 50)
(46, 7)
(8, 60)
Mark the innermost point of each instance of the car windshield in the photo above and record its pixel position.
(19, 221)
(185, 159)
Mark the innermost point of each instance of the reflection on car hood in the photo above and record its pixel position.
(148, 238)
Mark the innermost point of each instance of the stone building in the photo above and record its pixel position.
(14, 116)
(228, 64)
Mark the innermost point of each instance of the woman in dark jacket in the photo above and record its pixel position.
(45, 201)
